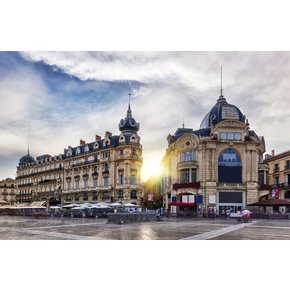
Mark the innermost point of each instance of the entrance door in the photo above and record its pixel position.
(233, 208)
(230, 200)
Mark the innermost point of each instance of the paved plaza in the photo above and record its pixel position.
(29, 228)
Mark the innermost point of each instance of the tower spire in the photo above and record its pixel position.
(183, 123)
(221, 80)
(28, 147)
(129, 112)
(221, 97)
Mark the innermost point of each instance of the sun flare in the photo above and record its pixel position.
(151, 167)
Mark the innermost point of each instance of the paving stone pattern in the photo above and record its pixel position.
(30, 228)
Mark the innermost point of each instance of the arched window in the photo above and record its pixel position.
(120, 194)
(133, 194)
(229, 167)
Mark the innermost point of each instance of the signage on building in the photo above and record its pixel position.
(275, 193)
(150, 197)
(199, 199)
(212, 198)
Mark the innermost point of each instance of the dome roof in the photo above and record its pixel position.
(221, 111)
(26, 159)
(129, 124)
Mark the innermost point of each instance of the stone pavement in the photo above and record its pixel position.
(30, 228)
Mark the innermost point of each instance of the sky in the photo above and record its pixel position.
(54, 99)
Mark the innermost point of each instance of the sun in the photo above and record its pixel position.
(150, 167)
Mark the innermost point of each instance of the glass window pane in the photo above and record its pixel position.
(237, 136)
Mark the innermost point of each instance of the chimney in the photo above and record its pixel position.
(82, 142)
(273, 153)
(108, 134)
(98, 138)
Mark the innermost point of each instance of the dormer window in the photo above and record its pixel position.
(78, 150)
(107, 143)
(87, 149)
(133, 139)
(96, 146)
(122, 138)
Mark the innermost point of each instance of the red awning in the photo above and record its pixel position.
(182, 204)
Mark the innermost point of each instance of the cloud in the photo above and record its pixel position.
(89, 95)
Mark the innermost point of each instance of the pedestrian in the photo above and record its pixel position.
(228, 212)
(168, 212)
(248, 217)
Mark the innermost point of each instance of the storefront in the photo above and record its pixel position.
(184, 204)
(230, 200)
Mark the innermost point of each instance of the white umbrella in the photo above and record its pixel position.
(131, 205)
(70, 205)
(245, 212)
(116, 204)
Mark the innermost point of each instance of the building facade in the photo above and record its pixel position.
(106, 169)
(278, 173)
(8, 190)
(216, 167)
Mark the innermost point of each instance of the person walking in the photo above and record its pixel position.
(247, 215)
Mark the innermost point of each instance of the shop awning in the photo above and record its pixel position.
(182, 204)
(271, 202)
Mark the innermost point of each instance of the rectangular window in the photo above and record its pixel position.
(287, 179)
(133, 179)
(95, 182)
(277, 180)
(121, 179)
(238, 136)
(184, 176)
(193, 175)
(230, 136)
(187, 156)
(106, 181)
(68, 185)
(77, 185)
(85, 183)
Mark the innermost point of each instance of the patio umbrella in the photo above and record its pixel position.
(131, 205)
(245, 212)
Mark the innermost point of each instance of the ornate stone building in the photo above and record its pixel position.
(279, 174)
(106, 169)
(8, 190)
(215, 167)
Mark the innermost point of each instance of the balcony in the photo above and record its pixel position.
(265, 187)
(186, 164)
(24, 185)
(47, 181)
(186, 185)
(276, 170)
(263, 167)
(85, 163)
(285, 185)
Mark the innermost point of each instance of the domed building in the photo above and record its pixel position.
(214, 168)
(27, 159)
(106, 169)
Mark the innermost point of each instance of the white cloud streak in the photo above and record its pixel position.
(175, 85)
